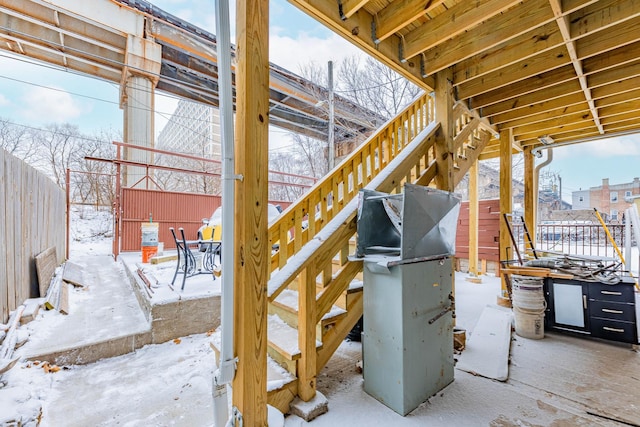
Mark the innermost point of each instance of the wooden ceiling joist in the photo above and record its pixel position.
(398, 15)
(440, 29)
(536, 66)
(495, 31)
(563, 24)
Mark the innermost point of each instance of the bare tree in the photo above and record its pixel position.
(16, 139)
(375, 86)
(94, 181)
(307, 159)
(58, 144)
(365, 82)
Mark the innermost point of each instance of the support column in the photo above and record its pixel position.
(506, 205)
(252, 249)
(307, 334)
(137, 100)
(529, 197)
(444, 136)
(473, 224)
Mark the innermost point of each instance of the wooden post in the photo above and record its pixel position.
(307, 334)
(444, 137)
(529, 197)
(506, 251)
(252, 251)
(473, 223)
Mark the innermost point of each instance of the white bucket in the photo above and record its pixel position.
(529, 325)
(527, 293)
(528, 306)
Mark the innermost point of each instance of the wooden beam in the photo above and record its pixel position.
(618, 91)
(522, 48)
(563, 24)
(533, 84)
(550, 93)
(555, 131)
(506, 204)
(473, 218)
(536, 272)
(456, 20)
(603, 15)
(492, 32)
(530, 193)
(543, 127)
(565, 110)
(521, 70)
(521, 114)
(349, 7)
(621, 23)
(398, 14)
(307, 333)
(357, 30)
(444, 137)
(251, 264)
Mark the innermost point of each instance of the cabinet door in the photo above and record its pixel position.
(568, 305)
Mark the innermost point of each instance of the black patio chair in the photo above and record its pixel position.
(186, 260)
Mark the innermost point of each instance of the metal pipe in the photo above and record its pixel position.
(227, 369)
(330, 133)
(627, 238)
(536, 176)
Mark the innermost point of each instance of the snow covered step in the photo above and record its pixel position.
(283, 343)
(286, 307)
(354, 290)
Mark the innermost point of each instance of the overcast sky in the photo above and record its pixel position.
(36, 95)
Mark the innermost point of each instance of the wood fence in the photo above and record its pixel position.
(32, 219)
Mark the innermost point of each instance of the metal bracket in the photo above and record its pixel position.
(373, 32)
(439, 315)
(422, 66)
(236, 417)
(239, 177)
(401, 51)
(340, 11)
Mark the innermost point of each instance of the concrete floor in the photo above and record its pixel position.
(560, 380)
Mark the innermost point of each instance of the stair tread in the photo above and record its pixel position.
(355, 286)
(284, 338)
(277, 376)
(288, 299)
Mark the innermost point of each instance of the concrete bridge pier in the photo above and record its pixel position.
(137, 98)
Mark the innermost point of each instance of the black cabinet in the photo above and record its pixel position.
(594, 309)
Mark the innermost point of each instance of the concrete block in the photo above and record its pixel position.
(309, 410)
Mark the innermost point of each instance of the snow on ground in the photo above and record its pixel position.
(170, 384)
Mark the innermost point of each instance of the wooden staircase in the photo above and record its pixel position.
(315, 290)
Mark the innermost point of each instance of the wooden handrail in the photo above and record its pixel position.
(329, 195)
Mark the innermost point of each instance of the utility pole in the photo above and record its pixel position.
(330, 133)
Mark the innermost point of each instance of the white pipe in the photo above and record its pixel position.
(536, 177)
(226, 371)
(627, 238)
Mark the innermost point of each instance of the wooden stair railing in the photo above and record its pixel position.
(315, 258)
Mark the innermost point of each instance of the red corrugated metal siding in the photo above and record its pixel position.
(169, 209)
(488, 231)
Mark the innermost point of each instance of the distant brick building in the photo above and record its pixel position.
(608, 199)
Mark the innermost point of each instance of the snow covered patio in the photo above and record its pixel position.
(560, 380)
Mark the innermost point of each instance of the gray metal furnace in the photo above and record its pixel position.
(407, 342)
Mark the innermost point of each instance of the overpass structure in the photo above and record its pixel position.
(144, 49)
